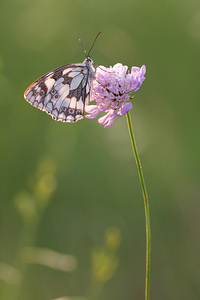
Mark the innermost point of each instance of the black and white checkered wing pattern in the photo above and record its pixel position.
(64, 92)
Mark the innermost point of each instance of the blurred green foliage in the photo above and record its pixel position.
(64, 185)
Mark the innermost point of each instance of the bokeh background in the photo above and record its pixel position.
(71, 209)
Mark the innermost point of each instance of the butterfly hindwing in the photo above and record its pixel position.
(64, 92)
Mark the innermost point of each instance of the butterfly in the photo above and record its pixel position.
(64, 92)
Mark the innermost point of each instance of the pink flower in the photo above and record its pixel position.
(111, 92)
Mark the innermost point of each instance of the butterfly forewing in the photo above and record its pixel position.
(64, 92)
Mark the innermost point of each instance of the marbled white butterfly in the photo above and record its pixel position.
(64, 92)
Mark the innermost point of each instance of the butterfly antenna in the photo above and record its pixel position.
(93, 43)
(83, 47)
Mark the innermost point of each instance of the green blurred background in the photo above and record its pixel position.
(73, 188)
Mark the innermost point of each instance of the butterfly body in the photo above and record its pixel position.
(64, 92)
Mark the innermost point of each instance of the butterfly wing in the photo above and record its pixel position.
(63, 92)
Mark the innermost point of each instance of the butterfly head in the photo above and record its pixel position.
(88, 61)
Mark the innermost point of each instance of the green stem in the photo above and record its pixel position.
(146, 207)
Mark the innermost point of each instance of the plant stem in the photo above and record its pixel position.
(146, 207)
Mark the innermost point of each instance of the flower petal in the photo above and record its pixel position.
(126, 108)
(103, 120)
(91, 108)
(143, 70)
(110, 123)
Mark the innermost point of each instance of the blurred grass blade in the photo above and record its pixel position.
(9, 274)
(49, 258)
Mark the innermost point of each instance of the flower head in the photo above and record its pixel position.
(111, 92)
